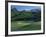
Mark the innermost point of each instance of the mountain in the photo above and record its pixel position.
(36, 11)
(14, 10)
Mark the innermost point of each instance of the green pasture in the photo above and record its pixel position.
(25, 25)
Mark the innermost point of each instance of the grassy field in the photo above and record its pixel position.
(25, 25)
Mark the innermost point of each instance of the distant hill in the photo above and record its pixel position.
(36, 11)
(34, 14)
(14, 10)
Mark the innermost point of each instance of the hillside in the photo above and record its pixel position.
(34, 14)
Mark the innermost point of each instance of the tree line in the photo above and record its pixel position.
(32, 15)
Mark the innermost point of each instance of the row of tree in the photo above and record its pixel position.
(32, 15)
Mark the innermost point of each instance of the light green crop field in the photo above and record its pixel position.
(25, 25)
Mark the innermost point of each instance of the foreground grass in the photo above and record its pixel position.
(25, 25)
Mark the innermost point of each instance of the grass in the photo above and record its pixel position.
(25, 25)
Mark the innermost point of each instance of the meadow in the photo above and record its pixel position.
(25, 25)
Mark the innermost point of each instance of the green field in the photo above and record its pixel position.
(25, 25)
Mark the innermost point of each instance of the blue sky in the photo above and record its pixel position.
(20, 8)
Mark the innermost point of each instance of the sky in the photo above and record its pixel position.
(20, 8)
